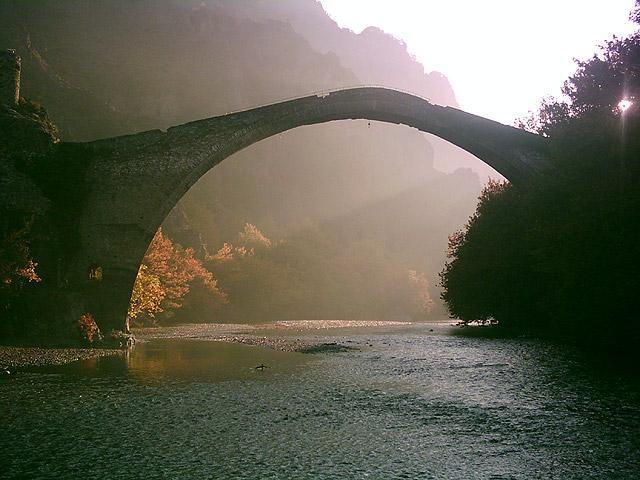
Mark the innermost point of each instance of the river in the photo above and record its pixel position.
(408, 403)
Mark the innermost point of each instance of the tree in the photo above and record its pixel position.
(147, 295)
(166, 275)
(635, 13)
(473, 278)
(17, 267)
(251, 236)
(558, 255)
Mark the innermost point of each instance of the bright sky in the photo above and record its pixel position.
(501, 56)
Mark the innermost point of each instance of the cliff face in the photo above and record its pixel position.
(26, 134)
(27, 139)
(375, 57)
(153, 65)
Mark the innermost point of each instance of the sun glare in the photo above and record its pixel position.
(624, 104)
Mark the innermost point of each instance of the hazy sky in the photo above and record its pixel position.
(501, 56)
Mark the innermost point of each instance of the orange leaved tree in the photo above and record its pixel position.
(166, 275)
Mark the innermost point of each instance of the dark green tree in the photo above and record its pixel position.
(560, 255)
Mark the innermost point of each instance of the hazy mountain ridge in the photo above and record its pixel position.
(153, 67)
(375, 57)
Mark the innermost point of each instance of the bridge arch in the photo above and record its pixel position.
(137, 179)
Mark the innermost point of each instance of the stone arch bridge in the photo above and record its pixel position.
(132, 182)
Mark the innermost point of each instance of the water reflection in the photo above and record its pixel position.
(171, 360)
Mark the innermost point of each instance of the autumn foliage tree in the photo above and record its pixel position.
(252, 237)
(17, 267)
(165, 277)
(147, 295)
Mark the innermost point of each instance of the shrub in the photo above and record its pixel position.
(88, 328)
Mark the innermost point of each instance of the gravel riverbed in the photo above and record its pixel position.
(11, 357)
(253, 334)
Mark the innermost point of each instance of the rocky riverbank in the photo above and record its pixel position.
(13, 357)
(281, 336)
(251, 334)
(288, 344)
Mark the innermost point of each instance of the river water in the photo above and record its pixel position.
(410, 403)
